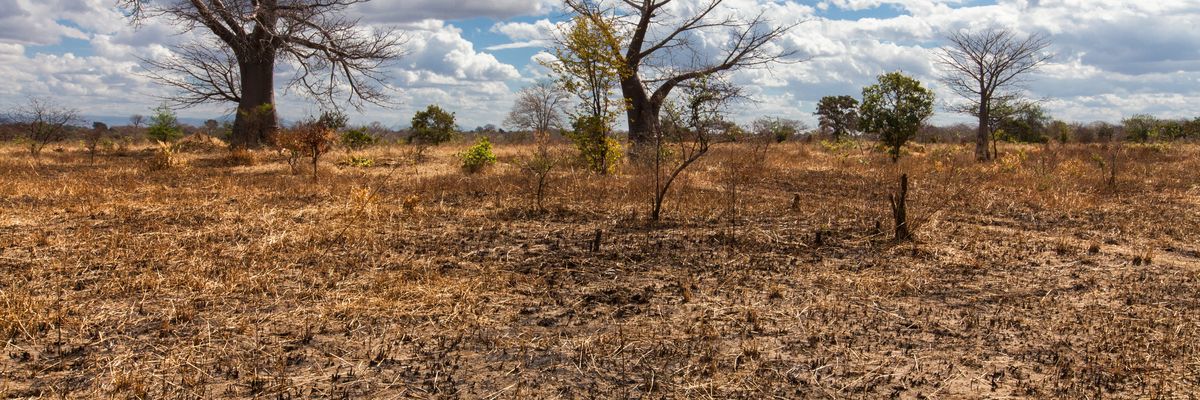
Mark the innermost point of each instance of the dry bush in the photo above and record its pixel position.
(307, 140)
(238, 157)
(165, 156)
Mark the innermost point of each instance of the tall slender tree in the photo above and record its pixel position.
(335, 58)
(985, 67)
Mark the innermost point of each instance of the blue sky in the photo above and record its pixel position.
(1113, 58)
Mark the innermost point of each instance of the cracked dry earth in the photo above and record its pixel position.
(1030, 278)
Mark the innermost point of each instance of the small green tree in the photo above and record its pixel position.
(358, 138)
(598, 151)
(164, 125)
(433, 125)
(838, 115)
(895, 108)
(1139, 127)
(1021, 121)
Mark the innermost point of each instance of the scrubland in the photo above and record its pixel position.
(1035, 276)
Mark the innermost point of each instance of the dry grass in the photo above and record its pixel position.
(1031, 277)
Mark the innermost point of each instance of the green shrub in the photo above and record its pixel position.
(598, 151)
(164, 126)
(432, 126)
(360, 162)
(478, 157)
(837, 146)
(358, 139)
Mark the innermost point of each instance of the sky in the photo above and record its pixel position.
(1111, 58)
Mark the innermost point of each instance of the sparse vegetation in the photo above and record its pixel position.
(93, 138)
(720, 261)
(245, 269)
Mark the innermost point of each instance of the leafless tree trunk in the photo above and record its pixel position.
(983, 67)
(899, 202)
(654, 43)
(335, 59)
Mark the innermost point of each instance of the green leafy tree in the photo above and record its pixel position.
(1024, 122)
(838, 115)
(1140, 127)
(895, 108)
(164, 125)
(432, 126)
(358, 138)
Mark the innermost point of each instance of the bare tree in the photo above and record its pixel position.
(985, 67)
(653, 45)
(334, 57)
(538, 108)
(137, 120)
(43, 122)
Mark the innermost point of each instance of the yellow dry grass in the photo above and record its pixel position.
(218, 279)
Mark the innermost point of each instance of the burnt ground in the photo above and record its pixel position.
(1030, 277)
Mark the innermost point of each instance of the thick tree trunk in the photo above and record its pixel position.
(642, 116)
(981, 136)
(254, 123)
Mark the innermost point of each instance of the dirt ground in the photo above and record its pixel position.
(769, 277)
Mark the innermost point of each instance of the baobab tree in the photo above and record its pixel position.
(984, 68)
(659, 50)
(335, 58)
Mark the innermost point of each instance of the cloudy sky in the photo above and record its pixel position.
(1112, 58)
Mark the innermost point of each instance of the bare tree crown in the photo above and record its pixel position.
(985, 67)
(980, 66)
(334, 56)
